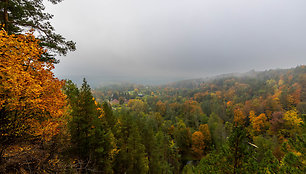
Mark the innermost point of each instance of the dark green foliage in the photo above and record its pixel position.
(18, 16)
(91, 140)
(182, 137)
(131, 157)
(149, 142)
(121, 139)
(155, 135)
(102, 143)
(161, 155)
(268, 163)
(108, 114)
(302, 81)
(261, 159)
(72, 92)
(173, 113)
(83, 113)
(217, 130)
(238, 149)
(292, 164)
(239, 156)
(214, 162)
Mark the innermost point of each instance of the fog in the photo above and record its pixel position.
(159, 41)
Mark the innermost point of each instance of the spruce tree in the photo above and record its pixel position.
(160, 155)
(108, 114)
(92, 141)
(102, 146)
(239, 151)
(83, 113)
(132, 157)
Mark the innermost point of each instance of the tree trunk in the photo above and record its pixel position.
(4, 20)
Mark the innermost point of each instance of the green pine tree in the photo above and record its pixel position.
(18, 16)
(132, 157)
(239, 151)
(92, 141)
(108, 114)
(83, 113)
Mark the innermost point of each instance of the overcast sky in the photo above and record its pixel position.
(161, 40)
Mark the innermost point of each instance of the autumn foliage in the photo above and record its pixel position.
(227, 125)
(259, 123)
(239, 117)
(198, 145)
(31, 101)
(201, 140)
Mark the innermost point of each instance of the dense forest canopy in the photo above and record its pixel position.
(252, 123)
(234, 123)
(203, 117)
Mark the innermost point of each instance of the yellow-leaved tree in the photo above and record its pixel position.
(31, 100)
(293, 123)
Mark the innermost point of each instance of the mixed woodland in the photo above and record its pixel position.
(236, 123)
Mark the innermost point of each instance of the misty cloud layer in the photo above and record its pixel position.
(164, 40)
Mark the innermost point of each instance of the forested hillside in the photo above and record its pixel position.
(251, 122)
(234, 123)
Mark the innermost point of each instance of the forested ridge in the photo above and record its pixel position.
(246, 123)
(235, 123)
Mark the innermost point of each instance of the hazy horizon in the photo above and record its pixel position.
(97, 82)
(163, 41)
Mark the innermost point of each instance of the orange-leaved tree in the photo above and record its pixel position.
(259, 123)
(239, 117)
(198, 145)
(31, 100)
